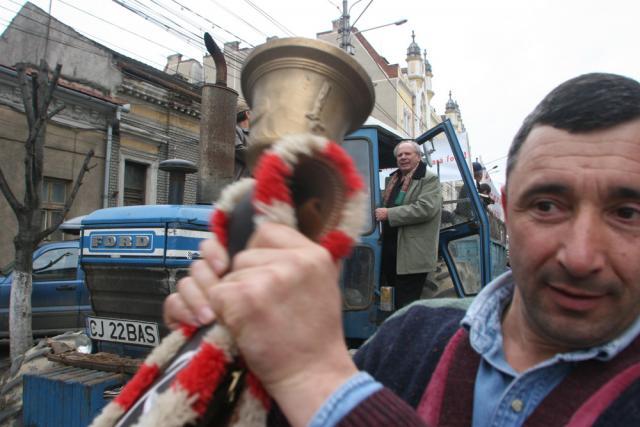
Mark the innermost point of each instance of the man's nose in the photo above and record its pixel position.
(583, 249)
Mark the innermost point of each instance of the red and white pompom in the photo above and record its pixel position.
(272, 198)
(186, 400)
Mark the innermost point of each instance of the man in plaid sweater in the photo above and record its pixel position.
(554, 342)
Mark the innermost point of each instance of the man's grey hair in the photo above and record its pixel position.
(414, 144)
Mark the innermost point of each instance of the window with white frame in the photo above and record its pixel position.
(135, 183)
(406, 122)
(137, 178)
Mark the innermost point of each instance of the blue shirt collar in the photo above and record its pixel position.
(483, 320)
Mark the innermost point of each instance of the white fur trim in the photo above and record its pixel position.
(171, 409)
(109, 415)
(232, 194)
(169, 346)
(277, 211)
(249, 412)
(221, 338)
(290, 147)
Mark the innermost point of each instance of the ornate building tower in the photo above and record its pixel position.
(452, 112)
(416, 77)
(429, 113)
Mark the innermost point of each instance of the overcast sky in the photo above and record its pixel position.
(498, 57)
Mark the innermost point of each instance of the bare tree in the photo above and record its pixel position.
(37, 94)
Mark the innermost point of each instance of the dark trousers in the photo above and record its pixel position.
(408, 288)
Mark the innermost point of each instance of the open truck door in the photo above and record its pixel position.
(465, 235)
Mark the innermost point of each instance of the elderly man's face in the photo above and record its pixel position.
(407, 157)
(573, 217)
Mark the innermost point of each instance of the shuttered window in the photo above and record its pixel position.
(135, 178)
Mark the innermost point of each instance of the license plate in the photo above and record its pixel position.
(125, 331)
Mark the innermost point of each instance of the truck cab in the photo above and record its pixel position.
(469, 257)
(59, 298)
(134, 256)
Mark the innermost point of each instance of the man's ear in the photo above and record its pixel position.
(503, 194)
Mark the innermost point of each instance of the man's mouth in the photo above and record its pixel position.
(575, 299)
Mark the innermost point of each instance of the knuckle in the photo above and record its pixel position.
(197, 266)
(184, 284)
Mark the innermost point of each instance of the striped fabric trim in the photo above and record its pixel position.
(383, 408)
(590, 410)
(430, 405)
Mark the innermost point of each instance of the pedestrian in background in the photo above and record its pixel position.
(241, 169)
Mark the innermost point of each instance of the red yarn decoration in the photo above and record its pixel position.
(219, 226)
(257, 391)
(344, 164)
(202, 375)
(337, 243)
(188, 330)
(271, 180)
(140, 382)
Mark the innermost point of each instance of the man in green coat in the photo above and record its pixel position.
(411, 223)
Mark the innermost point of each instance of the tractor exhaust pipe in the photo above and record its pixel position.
(217, 131)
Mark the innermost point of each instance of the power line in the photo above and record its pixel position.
(239, 17)
(17, 28)
(70, 35)
(212, 23)
(136, 34)
(26, 31)
(361, 13)
(334, 5)
(192, 40)
(270, 18)
(390, 117)
(496, 160)
(117, 26)
(399, 96)
(198, 37)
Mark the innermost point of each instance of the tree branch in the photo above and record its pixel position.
(27, 99)
(8, 194)
(55, 111)
(53, 83)
(67, 205)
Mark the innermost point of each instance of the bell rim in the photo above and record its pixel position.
(270, 52)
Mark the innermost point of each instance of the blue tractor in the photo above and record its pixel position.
(133, 256)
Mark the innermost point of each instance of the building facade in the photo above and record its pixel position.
(132, 115)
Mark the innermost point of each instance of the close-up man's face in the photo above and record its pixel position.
(573, 218)
(407, 157)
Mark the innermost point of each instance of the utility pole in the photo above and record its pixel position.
(345, 29)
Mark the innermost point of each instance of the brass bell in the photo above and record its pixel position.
(297, 85)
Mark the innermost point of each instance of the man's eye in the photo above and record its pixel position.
(628, 213)
(545, 206)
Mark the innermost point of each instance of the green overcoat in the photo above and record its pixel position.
(418, 222)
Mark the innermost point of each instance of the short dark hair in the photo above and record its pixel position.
(589, 102)
(484, 188)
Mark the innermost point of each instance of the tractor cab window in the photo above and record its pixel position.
(360, 151)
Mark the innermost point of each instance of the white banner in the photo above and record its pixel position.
(442, 160)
